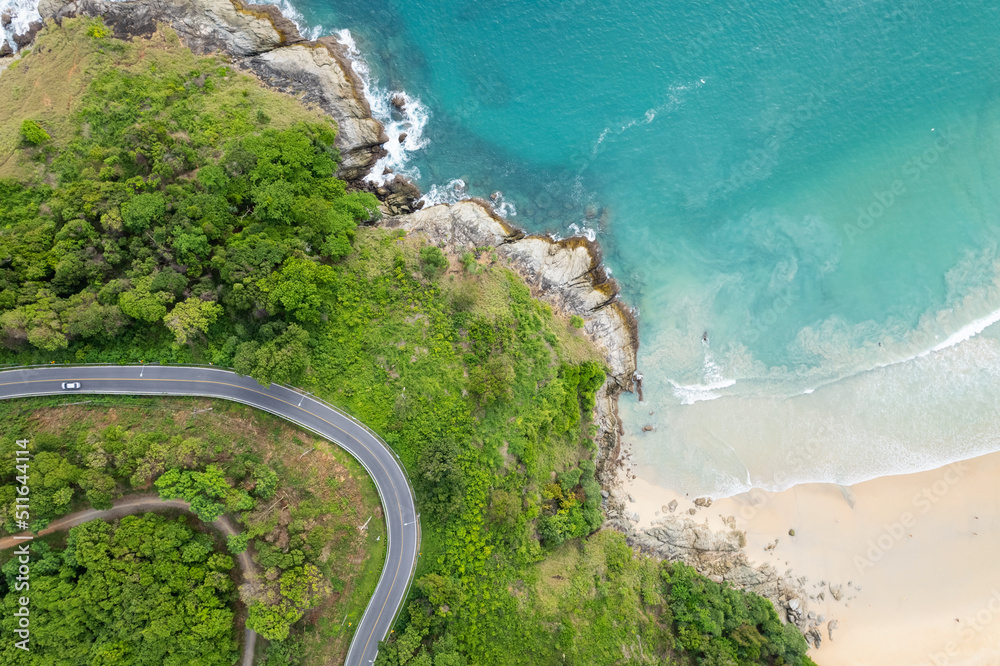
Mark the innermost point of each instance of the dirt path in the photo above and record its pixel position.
(132, 504)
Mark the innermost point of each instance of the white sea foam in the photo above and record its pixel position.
(968, 331)
(455, 191)
(503, 208)
(23, 13)
(400, 113)
(289, 11)
(582, 230)
(910, 417)
(932, 404)
(713, 381)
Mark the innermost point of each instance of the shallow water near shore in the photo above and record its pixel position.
(802, 201)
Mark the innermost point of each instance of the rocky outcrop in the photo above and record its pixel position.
(258, 39)
(399, 196)
(568, 275)
(321, 73)
(721, 557)
(229, 26)
(28, 36)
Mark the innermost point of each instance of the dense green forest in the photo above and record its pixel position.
(298, 515)
(147, 591)
(179, 212)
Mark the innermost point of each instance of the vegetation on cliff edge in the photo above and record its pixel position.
(170, 217)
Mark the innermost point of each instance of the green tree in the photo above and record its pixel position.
(145, 591)
(282, 360)
(301, 287)
(191, 316)
(441, 478)
(142, 210)
(33, 134)
(142, 304)
(433, 261)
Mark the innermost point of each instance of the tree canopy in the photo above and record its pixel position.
(147, 590)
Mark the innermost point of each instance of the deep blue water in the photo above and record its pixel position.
(812, 184)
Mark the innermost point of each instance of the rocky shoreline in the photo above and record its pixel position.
(568, 274)
(721, 555)
(258, 39)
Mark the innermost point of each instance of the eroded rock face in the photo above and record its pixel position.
(26, 38)
(321, 72)
(259, 39)
(203, 25)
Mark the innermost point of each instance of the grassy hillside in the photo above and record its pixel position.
(167, 213)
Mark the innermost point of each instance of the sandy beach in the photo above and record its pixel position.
(916, 556)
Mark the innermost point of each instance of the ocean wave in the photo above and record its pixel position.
(935, 410)
(456, 190)
(502, 207)
(883, 399)
(403, 116)
(23, 13)
(968, 331)
(582, 230)
(289, 11)
(713, 381)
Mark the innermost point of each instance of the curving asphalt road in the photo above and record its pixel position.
(402, 524)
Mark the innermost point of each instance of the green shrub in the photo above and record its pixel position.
(98, 31)
(33, 134)
(433, 261)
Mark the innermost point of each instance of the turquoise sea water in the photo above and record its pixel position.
(815, 185)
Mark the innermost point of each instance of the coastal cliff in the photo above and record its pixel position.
(568, 275)
(258, 39)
